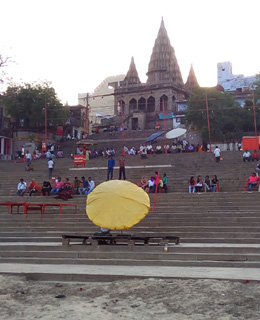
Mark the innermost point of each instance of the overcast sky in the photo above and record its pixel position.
(77, 44)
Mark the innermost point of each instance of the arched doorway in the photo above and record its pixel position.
(164, 100)
(132, 105)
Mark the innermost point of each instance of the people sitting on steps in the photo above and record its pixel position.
(192, 184)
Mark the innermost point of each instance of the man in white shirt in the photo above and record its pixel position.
(217, 154)
(21, 187)
(246, 156)
(50, 167)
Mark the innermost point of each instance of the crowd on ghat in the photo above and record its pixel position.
(153, 184)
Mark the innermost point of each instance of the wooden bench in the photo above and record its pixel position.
(120, 239)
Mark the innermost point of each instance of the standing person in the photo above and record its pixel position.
(122, 167)
(21, 188)
(217, 154)
(28, 157)
(157, 179)
(165, 183)
(110, 167)
(50, 166)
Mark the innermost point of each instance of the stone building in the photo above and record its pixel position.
(142, 105)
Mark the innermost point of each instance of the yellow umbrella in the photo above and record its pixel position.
(117, 205)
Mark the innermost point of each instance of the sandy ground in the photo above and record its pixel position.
(129, 299)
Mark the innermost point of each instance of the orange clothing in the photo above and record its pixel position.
(33, 185)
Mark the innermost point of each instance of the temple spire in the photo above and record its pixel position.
(163, 66)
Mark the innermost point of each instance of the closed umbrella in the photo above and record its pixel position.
(117, 205)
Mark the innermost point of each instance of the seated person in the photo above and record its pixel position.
(191, 148)
(60, 154)
(199, 184)
(255, 156)
(21, 188)
(132, 151)
(67, 185)
(29, 166)
(149, 149)
(173, 148)
(206, 184)
(192, 184)
(91, 185)
(33, 187)
(246, 156)
(257, 169)
(76, 185)
(84, 187)
(144, 153)
(46, 187)
(150, 185)
(57, 187)
(157, 126)
(167, 148)
(214, 184)
(158, 149)
(253, 180)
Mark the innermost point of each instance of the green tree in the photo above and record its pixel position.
(27, 103)
(227, 119)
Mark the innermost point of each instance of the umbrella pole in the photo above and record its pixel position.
(164, 126)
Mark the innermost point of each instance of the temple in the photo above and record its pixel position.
(142, 105)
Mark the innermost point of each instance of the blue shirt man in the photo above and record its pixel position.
(110, 167)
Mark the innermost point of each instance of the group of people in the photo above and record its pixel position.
(154, 183)
(81, 186)
(247, 156)
(197, 185)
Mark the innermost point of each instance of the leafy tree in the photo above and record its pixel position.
(227, 119)
(26, 103)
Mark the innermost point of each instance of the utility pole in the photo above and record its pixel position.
(254, 113)
(87, 116)
(207, 107)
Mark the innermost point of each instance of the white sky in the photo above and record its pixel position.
(77, 44)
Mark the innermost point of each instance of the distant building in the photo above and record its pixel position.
(231, 82)
(101, 101)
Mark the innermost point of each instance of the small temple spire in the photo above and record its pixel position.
(132, 77)
(191, 81)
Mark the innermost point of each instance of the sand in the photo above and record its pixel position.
(162, 299)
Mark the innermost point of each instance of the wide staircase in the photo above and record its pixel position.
(215, 229)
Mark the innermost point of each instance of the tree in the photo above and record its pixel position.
(4, 60)
(25, 103)
(227, 119)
